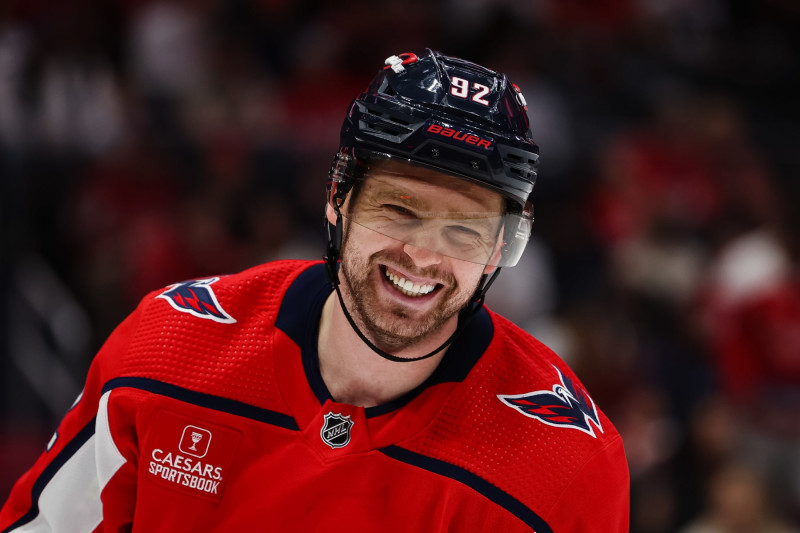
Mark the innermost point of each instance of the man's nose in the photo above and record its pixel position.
(421, 255)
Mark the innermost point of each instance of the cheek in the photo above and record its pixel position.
(468, 275)
(363, 242)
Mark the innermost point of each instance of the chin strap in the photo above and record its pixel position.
(332, 271)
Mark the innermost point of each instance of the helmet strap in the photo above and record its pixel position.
(332, 271)
(334, 249)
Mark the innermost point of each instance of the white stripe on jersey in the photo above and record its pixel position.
(109, 458)
(70, 503)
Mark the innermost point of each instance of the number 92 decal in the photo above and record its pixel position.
(461, 88)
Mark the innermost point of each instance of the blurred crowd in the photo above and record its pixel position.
(144, 142)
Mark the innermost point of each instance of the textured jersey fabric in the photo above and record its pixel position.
(205, 411)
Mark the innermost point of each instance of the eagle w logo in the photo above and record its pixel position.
(197, 298)
(565, 406)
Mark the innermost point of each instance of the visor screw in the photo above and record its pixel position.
(435, 153)
(474, 165)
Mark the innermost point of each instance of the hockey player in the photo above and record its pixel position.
(371, 391)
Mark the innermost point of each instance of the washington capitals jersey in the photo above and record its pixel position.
(205, 410)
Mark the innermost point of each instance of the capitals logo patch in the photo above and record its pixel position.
(566, 406)
(197, 298)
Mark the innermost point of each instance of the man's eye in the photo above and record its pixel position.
(398, 210)
(464, 231)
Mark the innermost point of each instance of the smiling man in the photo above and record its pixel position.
(371, 391)
(428, 239)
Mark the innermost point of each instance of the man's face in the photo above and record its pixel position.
(415, 245)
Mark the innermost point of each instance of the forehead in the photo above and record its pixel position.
(414, 183)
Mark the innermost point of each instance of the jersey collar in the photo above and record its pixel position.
(299, 318)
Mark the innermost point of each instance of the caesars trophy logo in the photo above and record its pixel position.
(195, 441)
(335, 431)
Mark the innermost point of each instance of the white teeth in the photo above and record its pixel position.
(408, 287)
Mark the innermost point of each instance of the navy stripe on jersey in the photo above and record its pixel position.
(473, 481)
(299, 318)
(50, 470)
(301, 307)
(209, 401)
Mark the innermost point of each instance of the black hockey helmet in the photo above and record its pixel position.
(453, 116)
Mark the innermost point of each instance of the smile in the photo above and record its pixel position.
(408, 287)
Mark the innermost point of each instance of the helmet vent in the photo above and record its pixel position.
(398, 120)
(524, 173)
(519, 159)
(389, 117)
(385, 124)
(379, 126)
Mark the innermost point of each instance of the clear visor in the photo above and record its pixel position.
(442, 214)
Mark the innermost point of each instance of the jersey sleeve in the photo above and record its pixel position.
(62, 490)
(598, 497)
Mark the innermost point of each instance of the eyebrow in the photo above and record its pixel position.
(397, 194)
(484, 219)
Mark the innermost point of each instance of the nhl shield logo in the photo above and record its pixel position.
(335, 431)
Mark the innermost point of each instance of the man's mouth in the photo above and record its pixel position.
(408, 287)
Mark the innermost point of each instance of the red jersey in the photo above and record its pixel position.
(205, 410)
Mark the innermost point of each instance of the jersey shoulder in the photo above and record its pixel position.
(531, 381)
(523, 421)
(211, 335)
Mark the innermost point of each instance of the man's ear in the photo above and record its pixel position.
(334, 196)
(330, 214)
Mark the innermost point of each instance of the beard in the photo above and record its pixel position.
(390, 325)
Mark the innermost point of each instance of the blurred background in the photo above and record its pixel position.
(148, 142)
